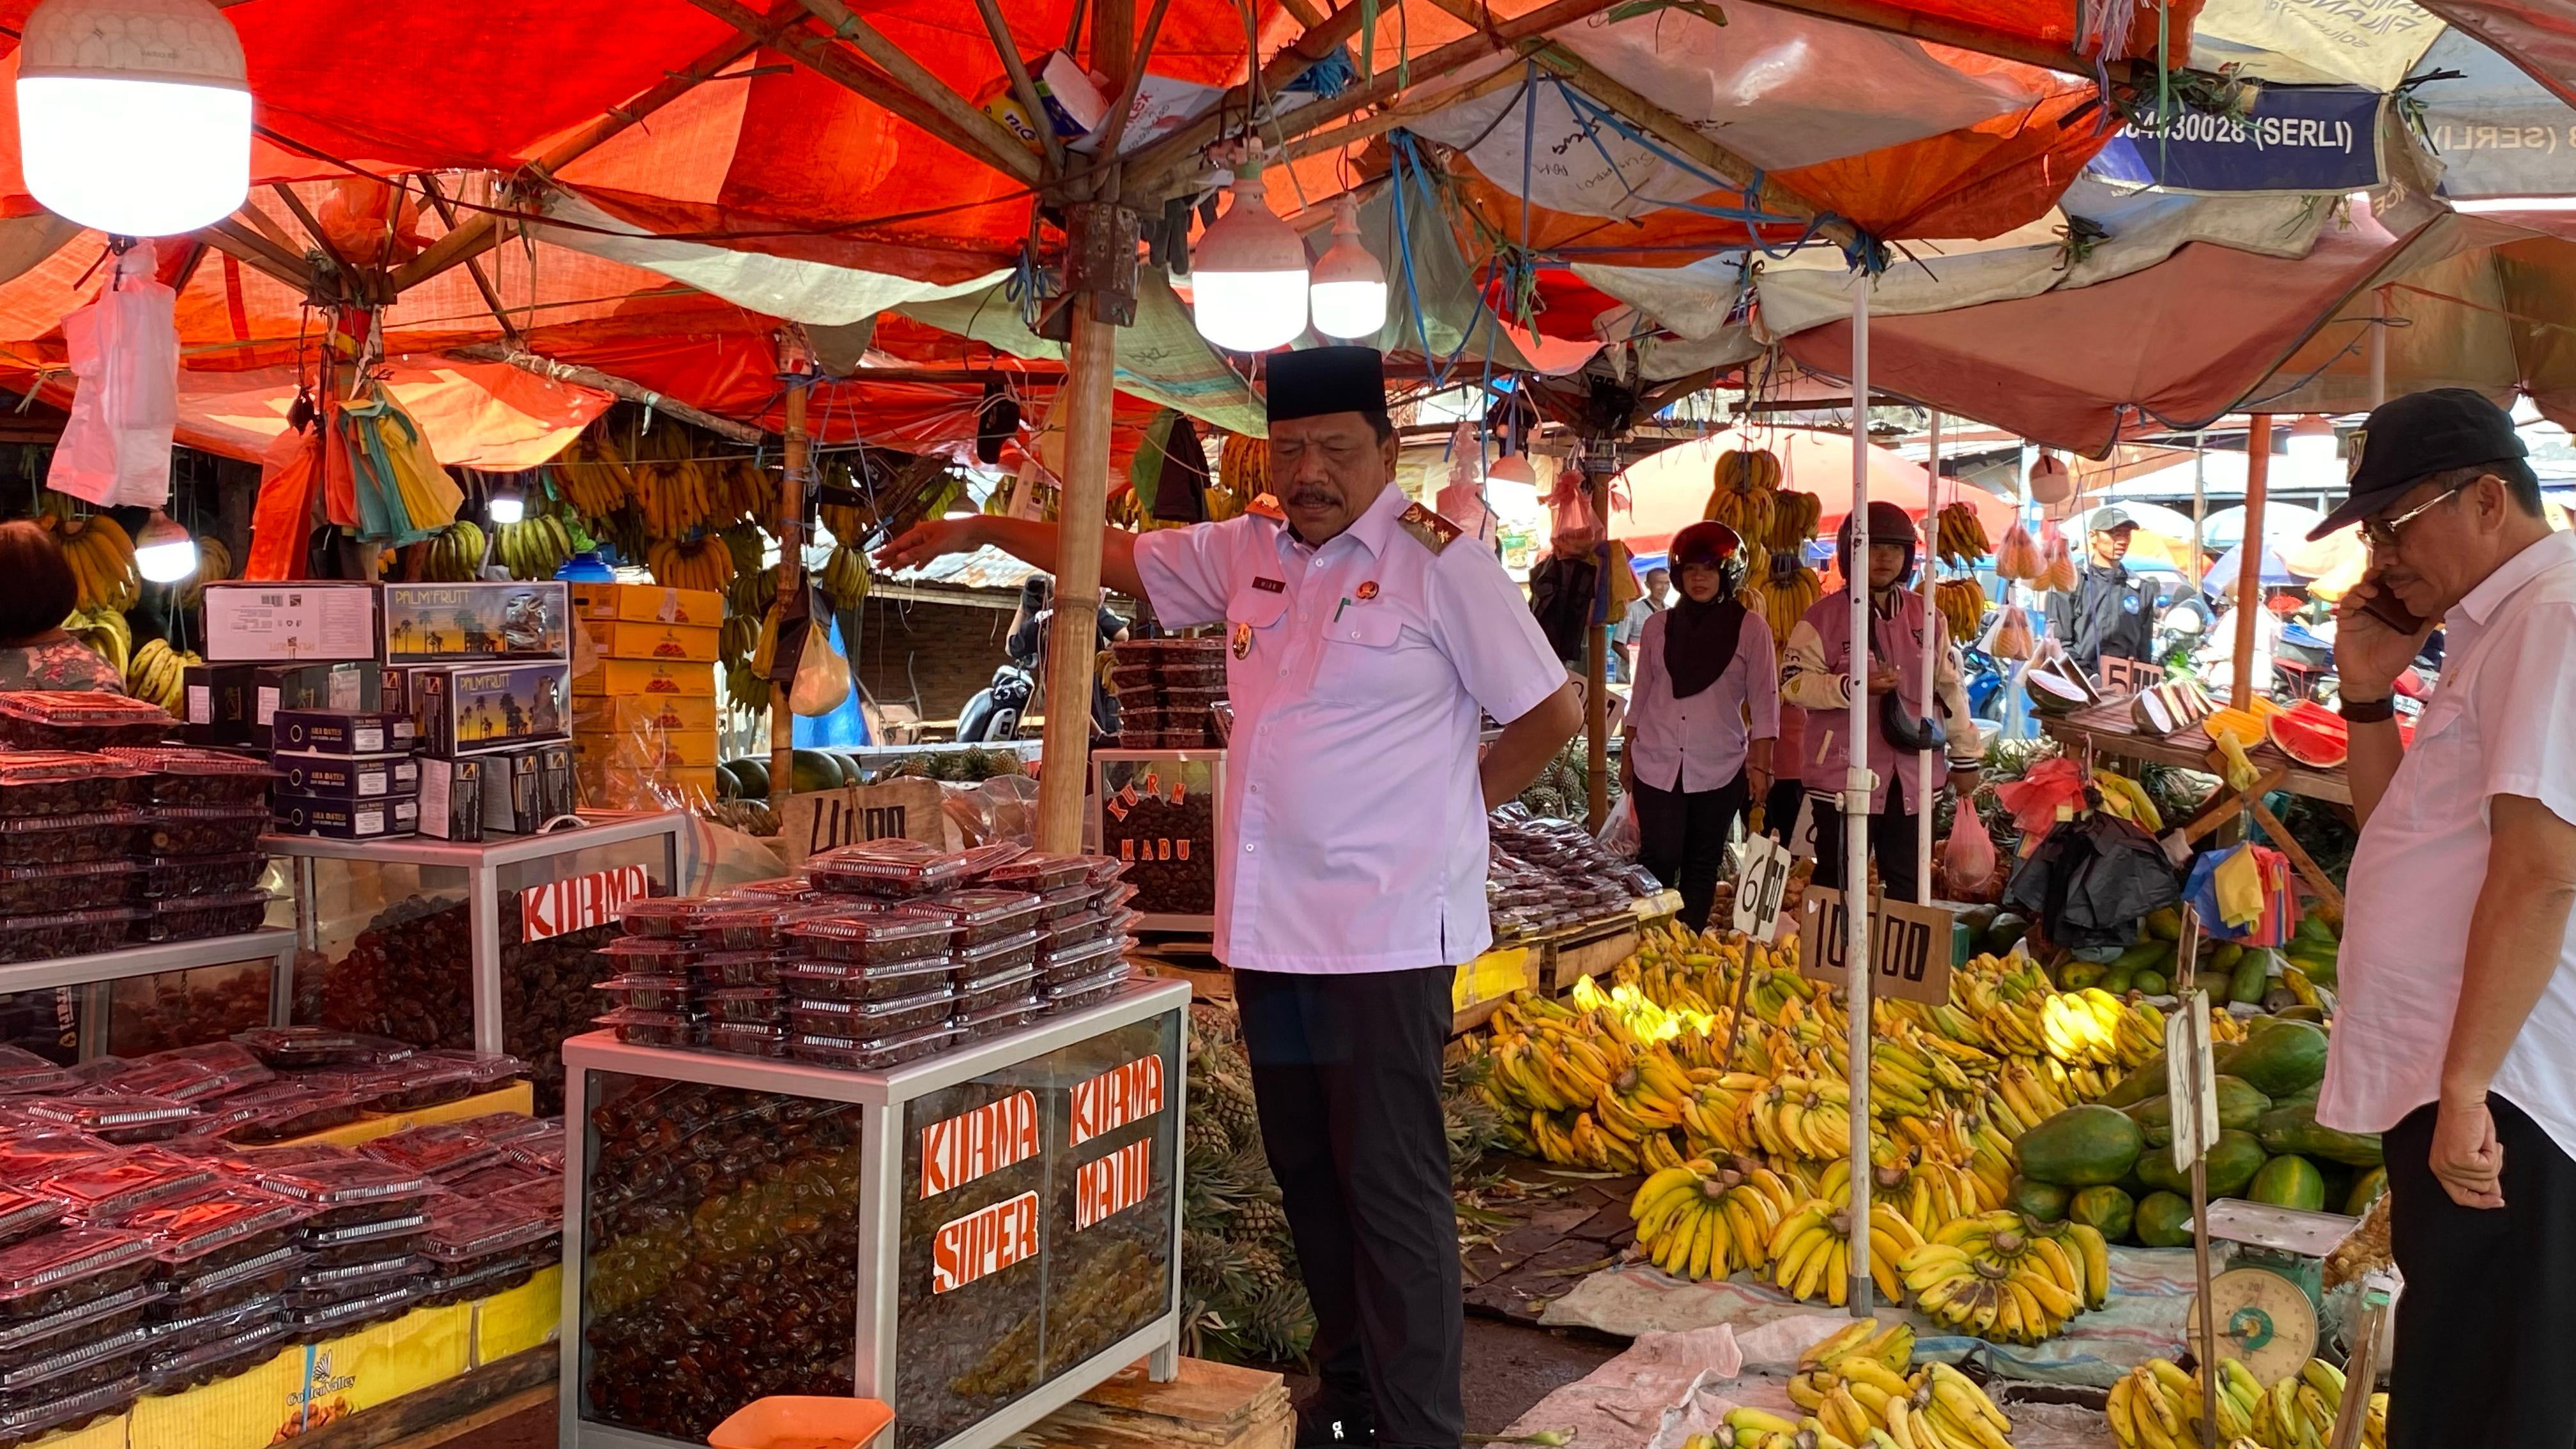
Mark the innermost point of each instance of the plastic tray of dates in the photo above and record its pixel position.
(1007, 1016)
(1039, 872)
(745, 1040)
(345, 1189)
(323, 1284)
(894, 867)
(877, 1055)
(23, 1213)
(49, 719)
(875, 938)
(291, 1047)
(659, 955)
(76, 1368)
(781, 890)
(178, 1370)
(985, 916)
(503, 1128)
(313, 1325)
(52, 1271)
(193, 1074)
(102, 1317)
(739, 968)
(488, 1069)
(652, 1028)
(67, 839)
(198, 918)
(1086, 990)
(23, 1073)
(180, 775)
(65, 782)
(362, 1242)
(426, 1080)
(200, 829)
(850, 981)
(745, 1005)
(871, 1019)
(649, 992)
(106, 1190)
(1064, 963)
(29, 1155)
(1066, 903)
(68, 1413)
(120, 1117)
(665, 917)
(466, 1234)
(284, 1110)
(164, 876)
(76, 886)
(66, 933)
(173, 1332)
(207, 1234)
(752, 925)
(995, 957)
(434, 1151)
(263, 1277)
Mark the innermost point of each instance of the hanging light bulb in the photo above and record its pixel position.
(1248, 273)
(1512, 468)
(1349, 291)
(2312, 452)
(163, 551)
(505, 505)
(134, 115)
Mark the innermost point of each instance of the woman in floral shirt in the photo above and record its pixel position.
(35, 653)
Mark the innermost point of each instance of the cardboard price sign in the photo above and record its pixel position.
(810, 823)
(1910, 943)
(1759, 881)
(2129, 676)
(581, 903)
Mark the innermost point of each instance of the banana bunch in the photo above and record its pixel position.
(844, 577)
(594, 480)
(1937, 1407)
(453, 555)
(1994, 1276)
(1743, 496)
(1794, 517)
(1959, 536)
(701, 563)
(1962, 605)
(1784, 600)
(1802, 1117)
(2157, 1405)
(534, 547)
(159, 673)
(1243, 466)
(214, 562)
(1699, 1220)
(102, 559)
(104, 631)
(1811, 1251)
(2299, 1411)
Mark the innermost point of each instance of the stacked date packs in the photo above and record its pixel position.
(109, 837)
(146, 1247)
(1168, 692)
(884, 953)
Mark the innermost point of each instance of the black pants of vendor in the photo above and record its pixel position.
(1682, 839)
(1346, 1072)
(2486, 1329)
(1891, 844)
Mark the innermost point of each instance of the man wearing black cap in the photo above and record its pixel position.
(1364, 641)
(2456, 1033)
(2111, 613)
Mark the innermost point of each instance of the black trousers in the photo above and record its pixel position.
(1682, 839)
(1346, 1073)
(1891, 844)
(2486, 1329)
(1780, 807)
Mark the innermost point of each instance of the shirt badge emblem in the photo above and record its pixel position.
(1243, 641)
(1367, 591)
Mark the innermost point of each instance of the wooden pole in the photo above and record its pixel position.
(791, 560)
(2249, 566)
(1596, 656)
(2378, 347)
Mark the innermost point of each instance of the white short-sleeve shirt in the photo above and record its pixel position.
(1698, 744)
(2502, 722)
(1353, 836)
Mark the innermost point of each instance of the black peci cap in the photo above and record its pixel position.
(1321, 380)
(2412, 437)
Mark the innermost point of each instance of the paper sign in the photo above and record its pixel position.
(1118, 1096)
(811, 822)
(581, 903)
(2190, 1076)
(983, 1242)
(1110, 1185)
(1761, 877)
(1802, 832)
(2129, 676)
(960, 1149)
(1911, 945)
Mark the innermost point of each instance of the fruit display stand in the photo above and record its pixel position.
(976, 1237)
(112, 1002)
(489, 946)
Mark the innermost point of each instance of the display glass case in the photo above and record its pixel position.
(975, 1238)
(1156, 813)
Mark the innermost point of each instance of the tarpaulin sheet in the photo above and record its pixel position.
(484, 415)
(2291, 141)
(2538, 35)
(1668, 490)
(2498, 131)
(2372, 43)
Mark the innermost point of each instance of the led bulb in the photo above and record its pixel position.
(134, 116)
(1513, 469)
(163, 552)
(1248, 274)
(1348, 295)
(505, 506)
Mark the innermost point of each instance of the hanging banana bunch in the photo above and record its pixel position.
(534, 547)
(105, 633)
(1242, 474)
(1744, 497)
(1960, 536)
(101, 556)
(1962, 602)
(844, 577)
(594, 480)
(1794, 518)
(1787, 596)
(159, 673)
(214, 562)
(701, 563)
(453, 555)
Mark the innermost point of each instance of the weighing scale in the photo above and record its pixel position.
(2269, 1301)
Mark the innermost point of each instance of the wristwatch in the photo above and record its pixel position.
(2367, 711)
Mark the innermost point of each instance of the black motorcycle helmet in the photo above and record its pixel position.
(1887, 524)
(1710, 545)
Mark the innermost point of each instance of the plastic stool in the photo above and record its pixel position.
(794, 1422)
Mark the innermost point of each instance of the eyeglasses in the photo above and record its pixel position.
(2381, 533)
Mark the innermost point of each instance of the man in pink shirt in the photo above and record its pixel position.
(1365, 639)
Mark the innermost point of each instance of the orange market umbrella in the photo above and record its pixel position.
(1669, 490)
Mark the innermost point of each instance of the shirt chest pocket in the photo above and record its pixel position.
(1368, 656)
(1254, 640)
(2441, 768)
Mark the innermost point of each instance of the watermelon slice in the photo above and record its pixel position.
(2311, 734)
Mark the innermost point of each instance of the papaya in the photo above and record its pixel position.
(2120, 980)
(2230, 1164)
(2045, 1202)
(2153, 983)
(2165, 923)
(2307, 1098)
(2163, 1220)
(2107, 1210)
(2239, 1104)
(2154, 1116)
(2085, 1146)
(2283, 1058)
(2289, 1181)
(2080, 974)
(2294, 1129)
(2301, 1011)
(2145, 956)
(2365, 1191)
(2246, 982)
(2144, 1081)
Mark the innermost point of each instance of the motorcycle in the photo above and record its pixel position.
(994, 711)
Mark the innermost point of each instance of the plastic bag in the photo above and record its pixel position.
(822, 678)
(1619, 834)
(1968, 856)
(2009, 636)
(124, 353)
(2058, 574)
(1462, 499)
(290, 473)
(1572, 525)
(2017, 558)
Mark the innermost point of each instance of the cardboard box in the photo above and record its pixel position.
(343, 731)
(451, 799)
(512, 800)
(620, 640)
(346, 777)
(667, 747)
(345, 819)
(248, 1410)
(600, 714)
(437, 623)
(472, 709)
(558, 786)
(222, 703)
(648, 604)
(284, 623)
(381, 1363)
(622, 678)
(515, 1320)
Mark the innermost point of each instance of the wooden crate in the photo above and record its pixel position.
(1217, 1406)
(1590, 950)
(1483, 983)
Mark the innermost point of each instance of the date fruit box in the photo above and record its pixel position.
(472, 709)
(266, 623)
(620, 640)
(599, 714)
(345, 819)
(648, 604)
(346, 777)
(648, 678)
(343, 731)
(436, 623)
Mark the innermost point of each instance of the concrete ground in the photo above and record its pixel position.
(1508, 1368)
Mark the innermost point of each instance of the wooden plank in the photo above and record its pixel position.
(1216, 1405)
(471, 1401)
(2304, 863)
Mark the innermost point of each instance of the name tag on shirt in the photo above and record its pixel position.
(1271, 586)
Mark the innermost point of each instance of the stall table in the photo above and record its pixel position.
(93, 979)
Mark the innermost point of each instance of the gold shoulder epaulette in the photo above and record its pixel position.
(1428, 528)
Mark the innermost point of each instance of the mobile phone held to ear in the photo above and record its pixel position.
(2387, 608)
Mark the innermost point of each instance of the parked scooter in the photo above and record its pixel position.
(994, 711)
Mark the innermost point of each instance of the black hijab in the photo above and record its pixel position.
(1699, 641)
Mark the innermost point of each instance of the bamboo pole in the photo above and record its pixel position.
(791, 560)
(992, 142)
(1022, 84)
(544, 366)
(1596, 655)
(2249, 566)
(473, 267)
